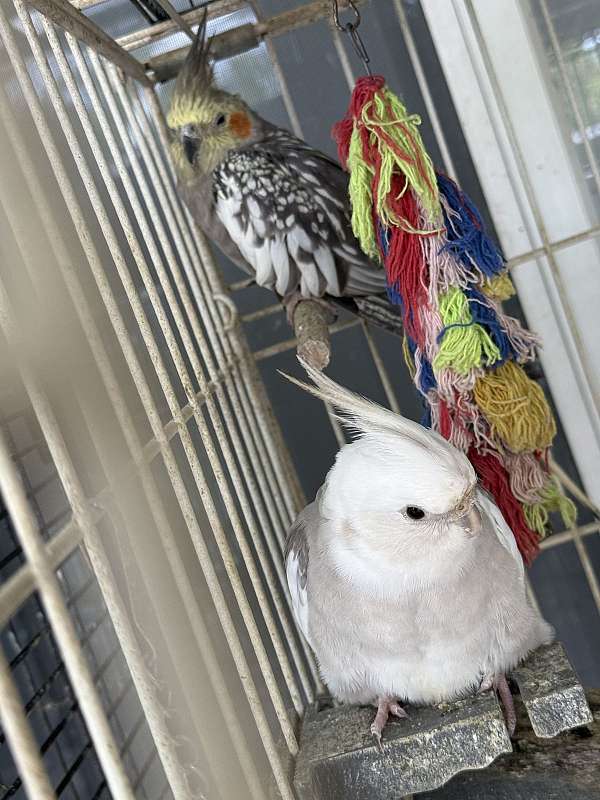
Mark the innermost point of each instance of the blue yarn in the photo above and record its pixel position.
(483, 314)
(426, 418)
(428, 380)
(395, 297)
(469, 243)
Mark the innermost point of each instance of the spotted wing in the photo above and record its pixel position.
(285, 207)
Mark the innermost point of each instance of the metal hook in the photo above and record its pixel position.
(349, 25)
(351, 28)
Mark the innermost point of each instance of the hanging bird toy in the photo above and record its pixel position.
(448, 278)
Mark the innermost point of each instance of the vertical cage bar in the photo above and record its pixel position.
(570, 91)
(86, 241)
(150, 239)
(18, 733)
(25, 524)
(127, 426)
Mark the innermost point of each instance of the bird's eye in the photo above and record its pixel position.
(220, 120)
(414, 512)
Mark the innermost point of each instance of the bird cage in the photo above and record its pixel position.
(151, 458)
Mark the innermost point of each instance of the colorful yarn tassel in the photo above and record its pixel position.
(449, 278)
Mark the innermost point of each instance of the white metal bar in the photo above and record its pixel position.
(183, 375)
(232, 419)
(567, 536)
(86, 241)
(381, 369)
(556, 245)
(221, 345)
(21, 585)
(84, 517)
(177, 18)
(564, 74)
(150, 238)
(18, 733)
(247, 384)
(153, 33)
(279, 460)
(54, 604)
(61, 545)
(574, 335)
(240, 416)
(69, 18)
(432, 114)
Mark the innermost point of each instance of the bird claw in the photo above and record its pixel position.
(385, 707)
(502, 689)
(376, 734)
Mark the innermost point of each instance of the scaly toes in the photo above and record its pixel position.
(397, 710)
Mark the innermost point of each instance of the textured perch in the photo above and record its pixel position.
(311, 326)
(338, 757)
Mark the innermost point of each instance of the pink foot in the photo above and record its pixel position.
(508, 704)
(385, 706)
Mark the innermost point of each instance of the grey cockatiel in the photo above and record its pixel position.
(275, 206)
(404, 577)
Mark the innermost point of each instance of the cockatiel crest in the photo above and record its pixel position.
(207, 121)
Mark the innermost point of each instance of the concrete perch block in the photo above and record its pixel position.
(553, 697)
(338, 758)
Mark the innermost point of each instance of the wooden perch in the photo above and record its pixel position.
(311, 327)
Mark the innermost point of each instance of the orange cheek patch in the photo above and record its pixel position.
(240, 125)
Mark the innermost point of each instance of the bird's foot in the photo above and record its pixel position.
(290, 303)
(508, 704)
(385, 706)
(487, 683)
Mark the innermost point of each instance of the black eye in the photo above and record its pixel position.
(414, 512)
(220, 120)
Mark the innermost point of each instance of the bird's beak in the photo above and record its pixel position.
(190, 141)
(471, 521)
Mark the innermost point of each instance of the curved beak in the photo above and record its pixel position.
(471, 521)
(190, 142)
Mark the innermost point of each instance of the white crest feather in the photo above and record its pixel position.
(365, 417)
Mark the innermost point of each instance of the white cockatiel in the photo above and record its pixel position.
(404, 577)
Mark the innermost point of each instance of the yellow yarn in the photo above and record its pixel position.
(388, 114)
(359, 188)
(465, 344)
(552, 499)
(515, 407)
(500, 287)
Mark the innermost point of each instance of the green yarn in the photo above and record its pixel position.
(551, 500)
(396, 134)
(361, 197)
(464, 344)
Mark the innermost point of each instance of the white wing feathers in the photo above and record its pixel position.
(501, 529)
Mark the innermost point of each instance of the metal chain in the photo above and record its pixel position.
(351, 28)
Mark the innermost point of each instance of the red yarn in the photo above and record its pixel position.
(342, 131)
(494, 478)
(404, 263)
(445, 420)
